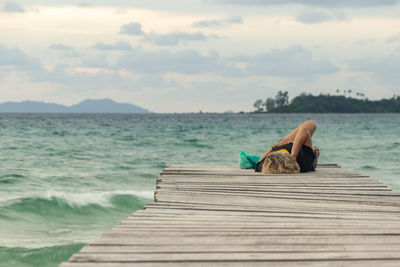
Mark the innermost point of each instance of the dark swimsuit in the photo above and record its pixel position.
(305, 158)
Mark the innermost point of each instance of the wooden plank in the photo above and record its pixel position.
(182, 224)
(275, 212)
(300, 216)
(193, 175)
(219, 198)
(262, 189)
(302, 223)
(255, 214)
(279, 205)
(392, 199)
(282, 214)
(240, 239)
(252, 229)
(234, 256)
(268, 180)
(238, 248)
(314, 263)
(337, 186)
(232, 174)
(163, 231)
(176, 185)
(272, 187)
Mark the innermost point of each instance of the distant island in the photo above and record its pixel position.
(307, 103)
(86, 106)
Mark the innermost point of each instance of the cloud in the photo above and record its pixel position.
(16, 58)
(218, 23)
(12, 7)
(72, 54)
(235, 19)
(98, 79)
(166, 39)
(156, 81)
(133, 28)
(84, 4)
(366, 41)
(394, 38)
(320, 3)
(386, 68)
(120, 45)
(173, 38)
(187, 62)
(208, 23)
(294, 61)
(98, 61)
(136, 67)
(145, 68)
(61, 46)
(312, 16)
(66, 75)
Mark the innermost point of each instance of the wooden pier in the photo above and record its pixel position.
(225, 216)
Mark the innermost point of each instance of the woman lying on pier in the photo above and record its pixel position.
(292, 154)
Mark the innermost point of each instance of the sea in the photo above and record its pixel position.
(67, 178)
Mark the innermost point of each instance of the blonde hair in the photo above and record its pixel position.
(280, 162)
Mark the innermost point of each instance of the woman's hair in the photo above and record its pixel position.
(280, 162)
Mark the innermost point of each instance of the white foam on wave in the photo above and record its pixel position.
(102, 198)
(99, 198)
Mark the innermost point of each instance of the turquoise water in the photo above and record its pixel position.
(65, 179)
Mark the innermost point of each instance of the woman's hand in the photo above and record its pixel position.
(316, 151)
(267, 153)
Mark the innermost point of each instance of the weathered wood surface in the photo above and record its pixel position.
(224, 216)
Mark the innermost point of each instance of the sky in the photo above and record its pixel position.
(197, 55)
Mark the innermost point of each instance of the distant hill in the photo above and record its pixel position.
(86, 106)
(338, 104)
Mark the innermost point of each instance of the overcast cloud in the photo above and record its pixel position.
(161, 39)
(13, 7)
(174, 38)
(133, 28)
(218, 22)
(120, 45)
(14, 57)
(60, 46)
(293, 61)
(394, 38)
(385, 68)
(316, 16)
(187, 62)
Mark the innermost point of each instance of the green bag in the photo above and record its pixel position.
(247, 160)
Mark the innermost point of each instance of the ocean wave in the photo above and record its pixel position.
(369, 167)
(54, 201)
(395, 145)
(195, 142)
(100, 198)
(43, 256)
(10, 178)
